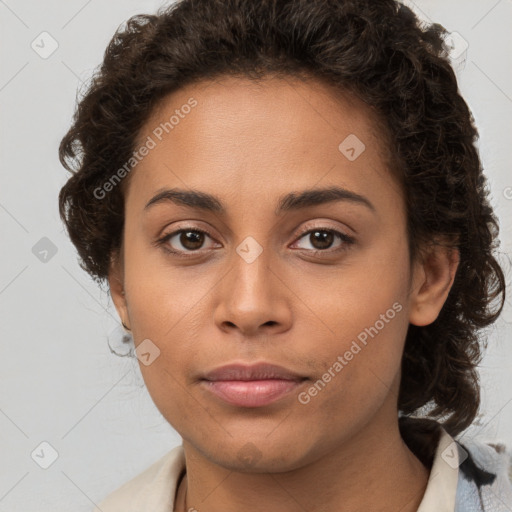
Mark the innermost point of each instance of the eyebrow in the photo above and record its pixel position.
(289, 202)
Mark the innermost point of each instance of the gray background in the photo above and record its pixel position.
(60, 382)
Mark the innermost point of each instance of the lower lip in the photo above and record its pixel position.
(252, 393)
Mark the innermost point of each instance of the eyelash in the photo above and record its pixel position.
(346, 239)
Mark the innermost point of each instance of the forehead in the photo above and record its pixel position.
(235, 137)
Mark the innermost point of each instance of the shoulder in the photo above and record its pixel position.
(467, 474)
(485, 476)
(153, 489)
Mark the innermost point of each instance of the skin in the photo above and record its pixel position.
(248, 145)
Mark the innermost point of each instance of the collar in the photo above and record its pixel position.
(448, 489)
(442, 483)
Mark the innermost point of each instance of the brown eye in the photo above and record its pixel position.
(185, 240)
(321, 240)
(191, 239)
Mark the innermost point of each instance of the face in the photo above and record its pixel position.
(257, 269)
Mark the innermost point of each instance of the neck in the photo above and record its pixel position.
(374, 470)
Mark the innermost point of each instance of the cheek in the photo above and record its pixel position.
(366, 352)
(360, 331)
(359, 377)
(161, 297)
(168, 308)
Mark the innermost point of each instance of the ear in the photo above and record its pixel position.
(116, 284)
(433, 278)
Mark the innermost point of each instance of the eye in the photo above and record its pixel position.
(323, 238)
(184, 240)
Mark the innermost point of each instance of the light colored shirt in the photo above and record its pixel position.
(448, 489)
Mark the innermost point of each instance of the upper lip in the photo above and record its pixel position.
(259, 371)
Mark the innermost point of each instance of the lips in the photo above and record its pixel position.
(251, 385)
(261, 371)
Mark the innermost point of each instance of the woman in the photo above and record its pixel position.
(286, 201)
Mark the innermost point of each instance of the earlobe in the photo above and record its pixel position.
(433, 280)
(116, 285)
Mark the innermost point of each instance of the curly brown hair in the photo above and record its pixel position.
(377, 50)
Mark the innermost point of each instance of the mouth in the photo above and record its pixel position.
(251, 385)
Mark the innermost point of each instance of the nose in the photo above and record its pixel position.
(253, 298)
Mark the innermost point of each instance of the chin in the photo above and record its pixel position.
(258, 454)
